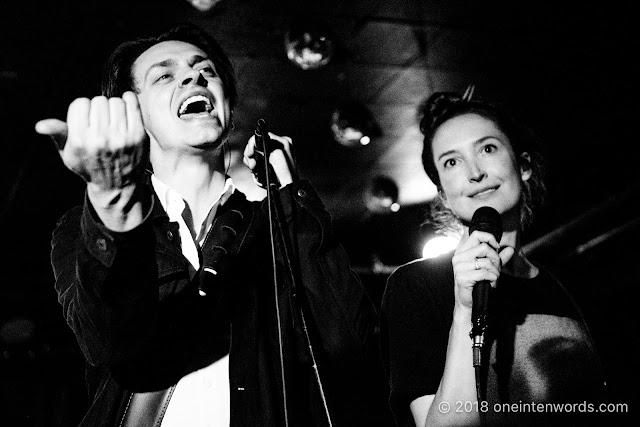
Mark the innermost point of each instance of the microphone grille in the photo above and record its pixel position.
(487, 219)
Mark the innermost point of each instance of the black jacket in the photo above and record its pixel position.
(142, 324)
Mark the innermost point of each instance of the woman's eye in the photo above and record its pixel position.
(449, 163)
(163, 77)
(489, 148)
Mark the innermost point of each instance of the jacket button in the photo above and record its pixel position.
(169, 236)
(101, 244)
(302, 193)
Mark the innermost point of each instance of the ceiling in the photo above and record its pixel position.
(569, 71)
(565, 70)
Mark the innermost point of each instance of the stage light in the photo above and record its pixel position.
(439, 245)
(204, 5)
(352, 124)
(381, 196)
(308, 45)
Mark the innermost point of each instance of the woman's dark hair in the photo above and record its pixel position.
(118, 78)
(443, 106)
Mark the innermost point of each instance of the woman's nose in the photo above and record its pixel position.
(476, 172)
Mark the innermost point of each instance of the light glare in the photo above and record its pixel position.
(204, 5)
(439, 245)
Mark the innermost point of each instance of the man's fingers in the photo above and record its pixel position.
(249, 149)
(286, 142)
(117, 116)
(56, 129)
(135, 127)
(282, 139)
(99, 113)
(78, 117)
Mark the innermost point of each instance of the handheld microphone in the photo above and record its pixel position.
(264, 147)
(485, 219)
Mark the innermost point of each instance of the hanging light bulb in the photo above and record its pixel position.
(309, 45)
(352, 124)
(381, 195)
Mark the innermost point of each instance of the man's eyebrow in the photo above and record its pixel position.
(195, 59)
(165, 63)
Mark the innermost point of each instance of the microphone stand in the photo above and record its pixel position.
(266, 175)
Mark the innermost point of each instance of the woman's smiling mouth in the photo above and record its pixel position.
(483, 193)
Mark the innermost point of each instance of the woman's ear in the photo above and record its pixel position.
(525, 166)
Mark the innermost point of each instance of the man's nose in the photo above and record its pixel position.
(194, 77)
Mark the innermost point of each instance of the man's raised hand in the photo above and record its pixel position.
(103, 140)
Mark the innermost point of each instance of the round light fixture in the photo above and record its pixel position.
(381, 196)
(352, 124)
(308, 47)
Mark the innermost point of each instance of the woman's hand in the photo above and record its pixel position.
(477, 258)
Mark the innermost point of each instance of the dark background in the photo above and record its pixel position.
(570, 71)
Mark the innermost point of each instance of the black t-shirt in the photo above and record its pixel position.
(537, 346)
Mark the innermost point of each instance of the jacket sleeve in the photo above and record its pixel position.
(104, 279)
(108, 286)
(337, 309)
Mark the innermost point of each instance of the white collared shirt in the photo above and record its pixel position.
(201, 398)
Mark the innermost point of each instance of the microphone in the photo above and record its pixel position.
(485, 219)
(264, 147)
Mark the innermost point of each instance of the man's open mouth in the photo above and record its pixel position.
(195, 105)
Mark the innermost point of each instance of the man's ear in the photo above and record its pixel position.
(525, 166)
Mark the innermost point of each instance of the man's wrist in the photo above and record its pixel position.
(120, 209)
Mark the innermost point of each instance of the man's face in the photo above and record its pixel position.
(182, 99)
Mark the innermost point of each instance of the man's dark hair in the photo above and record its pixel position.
(118, 78)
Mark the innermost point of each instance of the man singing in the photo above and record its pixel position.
(166, 275)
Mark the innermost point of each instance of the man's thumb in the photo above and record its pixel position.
(56, 129)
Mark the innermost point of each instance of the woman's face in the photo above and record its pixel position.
(477, 167)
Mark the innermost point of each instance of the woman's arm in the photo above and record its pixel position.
(457, 391)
